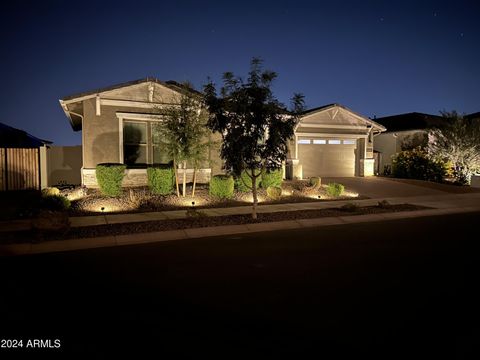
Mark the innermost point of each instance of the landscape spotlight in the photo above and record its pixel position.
(102, 208)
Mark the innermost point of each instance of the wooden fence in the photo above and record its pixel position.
(19, 169)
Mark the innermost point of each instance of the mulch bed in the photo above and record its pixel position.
(197, 220)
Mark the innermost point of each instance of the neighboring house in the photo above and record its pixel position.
(473, 116)
(404, 131)
(23, 160)
(117, 123)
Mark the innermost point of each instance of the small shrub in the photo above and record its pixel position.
(274, 192)
(350, 207)
(315, 182)
(221, 186)
(417, 164)
(335, 190)
(50, 191)
(55, 202)
(109, 178)
(272, 178)
(244, 182)
(161, 179)
(384, 204)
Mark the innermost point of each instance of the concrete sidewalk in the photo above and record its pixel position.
(440, 204)
(435, 201)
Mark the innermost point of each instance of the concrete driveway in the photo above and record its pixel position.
(379, 187)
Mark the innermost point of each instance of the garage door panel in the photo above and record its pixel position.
(327, 160)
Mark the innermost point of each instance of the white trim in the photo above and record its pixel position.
(359, 117)
(335, 113)
(151, 89)
(326, 126)
(296, 146)
(66, 102)
(120, 140)
(137, 116)
(98, 110)
(330, 135)
(132, 103)
(83, 147)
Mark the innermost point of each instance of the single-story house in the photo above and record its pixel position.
(404, 131)
(23, 160)
(329, 141)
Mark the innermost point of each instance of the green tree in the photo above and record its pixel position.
(254, 125)
(457, 142)
(184, 134)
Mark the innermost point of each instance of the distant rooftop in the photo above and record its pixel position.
(11, 137)
(473, 116)
(410, 121)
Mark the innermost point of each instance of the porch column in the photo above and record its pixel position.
(366, 165)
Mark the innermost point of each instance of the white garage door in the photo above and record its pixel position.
(327, 157)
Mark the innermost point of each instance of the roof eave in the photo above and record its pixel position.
(69, 116)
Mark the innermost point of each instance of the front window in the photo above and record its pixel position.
(135, 143)
(143, 144)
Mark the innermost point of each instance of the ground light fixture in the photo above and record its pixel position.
(102, 208)
(193, 203)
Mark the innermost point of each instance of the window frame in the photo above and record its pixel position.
(149, 144)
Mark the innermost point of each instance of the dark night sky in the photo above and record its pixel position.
(375, 57)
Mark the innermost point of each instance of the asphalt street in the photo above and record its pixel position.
(394, 289)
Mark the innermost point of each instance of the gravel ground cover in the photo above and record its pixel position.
(89, 201)
(197, 220)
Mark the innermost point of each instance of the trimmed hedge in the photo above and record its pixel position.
(55, 202)
(272, 178)
(110, 177)
(416, 164)
(161, 179)
(244, 182)
(274, 192)
(221, 186)
(335, 189)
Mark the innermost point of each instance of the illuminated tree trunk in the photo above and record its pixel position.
(255, 198)
(184, 187)
(175, 168)
(194, 180)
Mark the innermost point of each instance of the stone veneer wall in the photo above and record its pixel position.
(138, 177)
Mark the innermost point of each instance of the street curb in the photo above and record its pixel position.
(195, 233)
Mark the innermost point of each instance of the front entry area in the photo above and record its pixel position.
(327, 157)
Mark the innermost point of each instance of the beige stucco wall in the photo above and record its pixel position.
(100, 135)
(216, 161)
(64, 164)
(101, 141)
